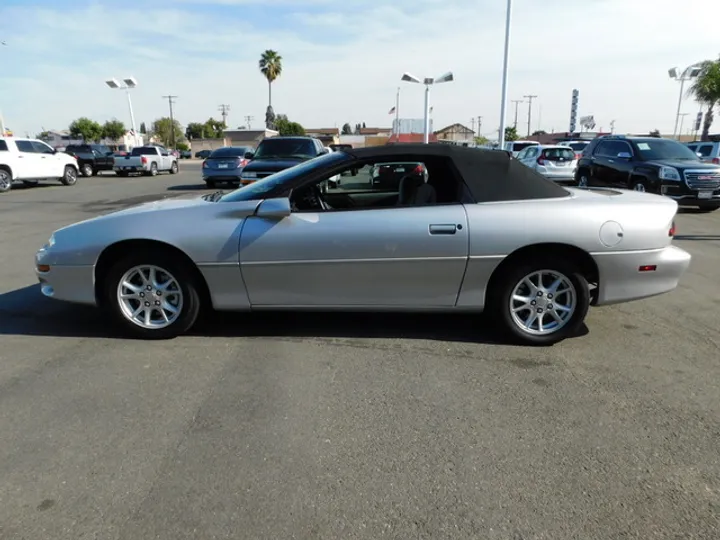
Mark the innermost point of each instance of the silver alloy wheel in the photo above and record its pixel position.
(5, 181)
(542, 295)
(70, 175)
(639, 187)
(87, 170)
(583, 182)
(150, 297)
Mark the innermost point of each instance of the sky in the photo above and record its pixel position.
(343, 60)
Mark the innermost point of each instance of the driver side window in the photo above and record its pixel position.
(382, 184)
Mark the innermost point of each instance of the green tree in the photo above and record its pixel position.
(270, 65)
(214, 129)
(143, 128)
(86, 129)
(539, 132)
(113, 129)
(195, 130)
(287, 127)
(481, 140)
(706, 90)
(183, 147)
(347, 129)
(162, 129)
(511, 134)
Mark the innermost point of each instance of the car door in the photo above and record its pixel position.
(52, 165)
(530, 158)
(602, 164)
(30, 164)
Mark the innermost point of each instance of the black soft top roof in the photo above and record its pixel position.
(490, 175)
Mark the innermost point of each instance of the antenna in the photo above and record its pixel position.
(171, 101)
(224, 109)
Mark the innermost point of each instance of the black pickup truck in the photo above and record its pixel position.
(92, 158)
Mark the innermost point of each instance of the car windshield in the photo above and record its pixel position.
(517, 147)
(261, 188)
(284, 148)
(578, 146)
(229, 151)
(665, 149)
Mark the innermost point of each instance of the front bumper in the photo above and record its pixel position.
(67, 283)
(622, 281)
(680, 192)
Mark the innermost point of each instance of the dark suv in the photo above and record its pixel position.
(655, 165)
(275, 154)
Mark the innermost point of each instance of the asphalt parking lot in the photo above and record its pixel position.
(351, 426)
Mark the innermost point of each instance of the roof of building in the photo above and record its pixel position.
(457, 127)
(405, 138)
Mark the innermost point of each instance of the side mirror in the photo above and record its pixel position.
(624, 155)
(274, 208)
(699, 154)
(249, 155)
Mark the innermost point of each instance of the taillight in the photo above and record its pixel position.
(716, 161)
(540, 161)
(205, 165)
(239, 163)
(244, 162)
(143, 160)
(577, 156)
(671, 232)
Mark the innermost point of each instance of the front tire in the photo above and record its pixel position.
(542, 301)
(5, 181)
(152, 296)
(70, 175)
(174, 168)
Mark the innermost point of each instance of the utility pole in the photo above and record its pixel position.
(171, 101)
(612, 127)
(224, 109)
(472, 124)
(529, 98)
(479, 126)
(517, 102)
(249, 119)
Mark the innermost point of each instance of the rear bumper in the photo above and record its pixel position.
(622, 281)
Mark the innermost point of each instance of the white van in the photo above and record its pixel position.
(515, 147)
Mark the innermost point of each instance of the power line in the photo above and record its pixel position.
(249, 119)
(171, 102)
(224, 110)
(529, 98)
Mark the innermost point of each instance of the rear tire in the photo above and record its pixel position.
(86, 170)
(211, 184)
(153, 170)
(545, 311)
(172, 290)
(582, 179)
(70, 175)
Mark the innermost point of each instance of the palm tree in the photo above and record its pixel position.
(706, 91)
(271, 66)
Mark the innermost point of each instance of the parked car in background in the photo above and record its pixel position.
(341, 147)
(577, 146)
(203, 154)
(149, 160)
(185, 154)
(554, 162)
(92, 158)
(389, 175)
(279, 153)
(515, 147)
(481, 232)
(224, 165)
(709, 151)
(654, 165)
(31, 160)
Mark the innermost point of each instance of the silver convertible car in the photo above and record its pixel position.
(477, 231)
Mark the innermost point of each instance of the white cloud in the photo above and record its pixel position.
(343, 60)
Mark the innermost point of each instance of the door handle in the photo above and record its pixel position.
(443, 228)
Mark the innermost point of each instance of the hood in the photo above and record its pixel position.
(684, 164)
(271, 165)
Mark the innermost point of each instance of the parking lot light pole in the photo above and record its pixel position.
(503, 107)
(428, 82)
(687, 74)
(127, 84)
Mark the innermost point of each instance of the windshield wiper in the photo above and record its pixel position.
(214, 197)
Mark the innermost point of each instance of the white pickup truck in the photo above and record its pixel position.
(149, 160)
(30, 160)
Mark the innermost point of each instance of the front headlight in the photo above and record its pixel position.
(248, 175)
(669, 173)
